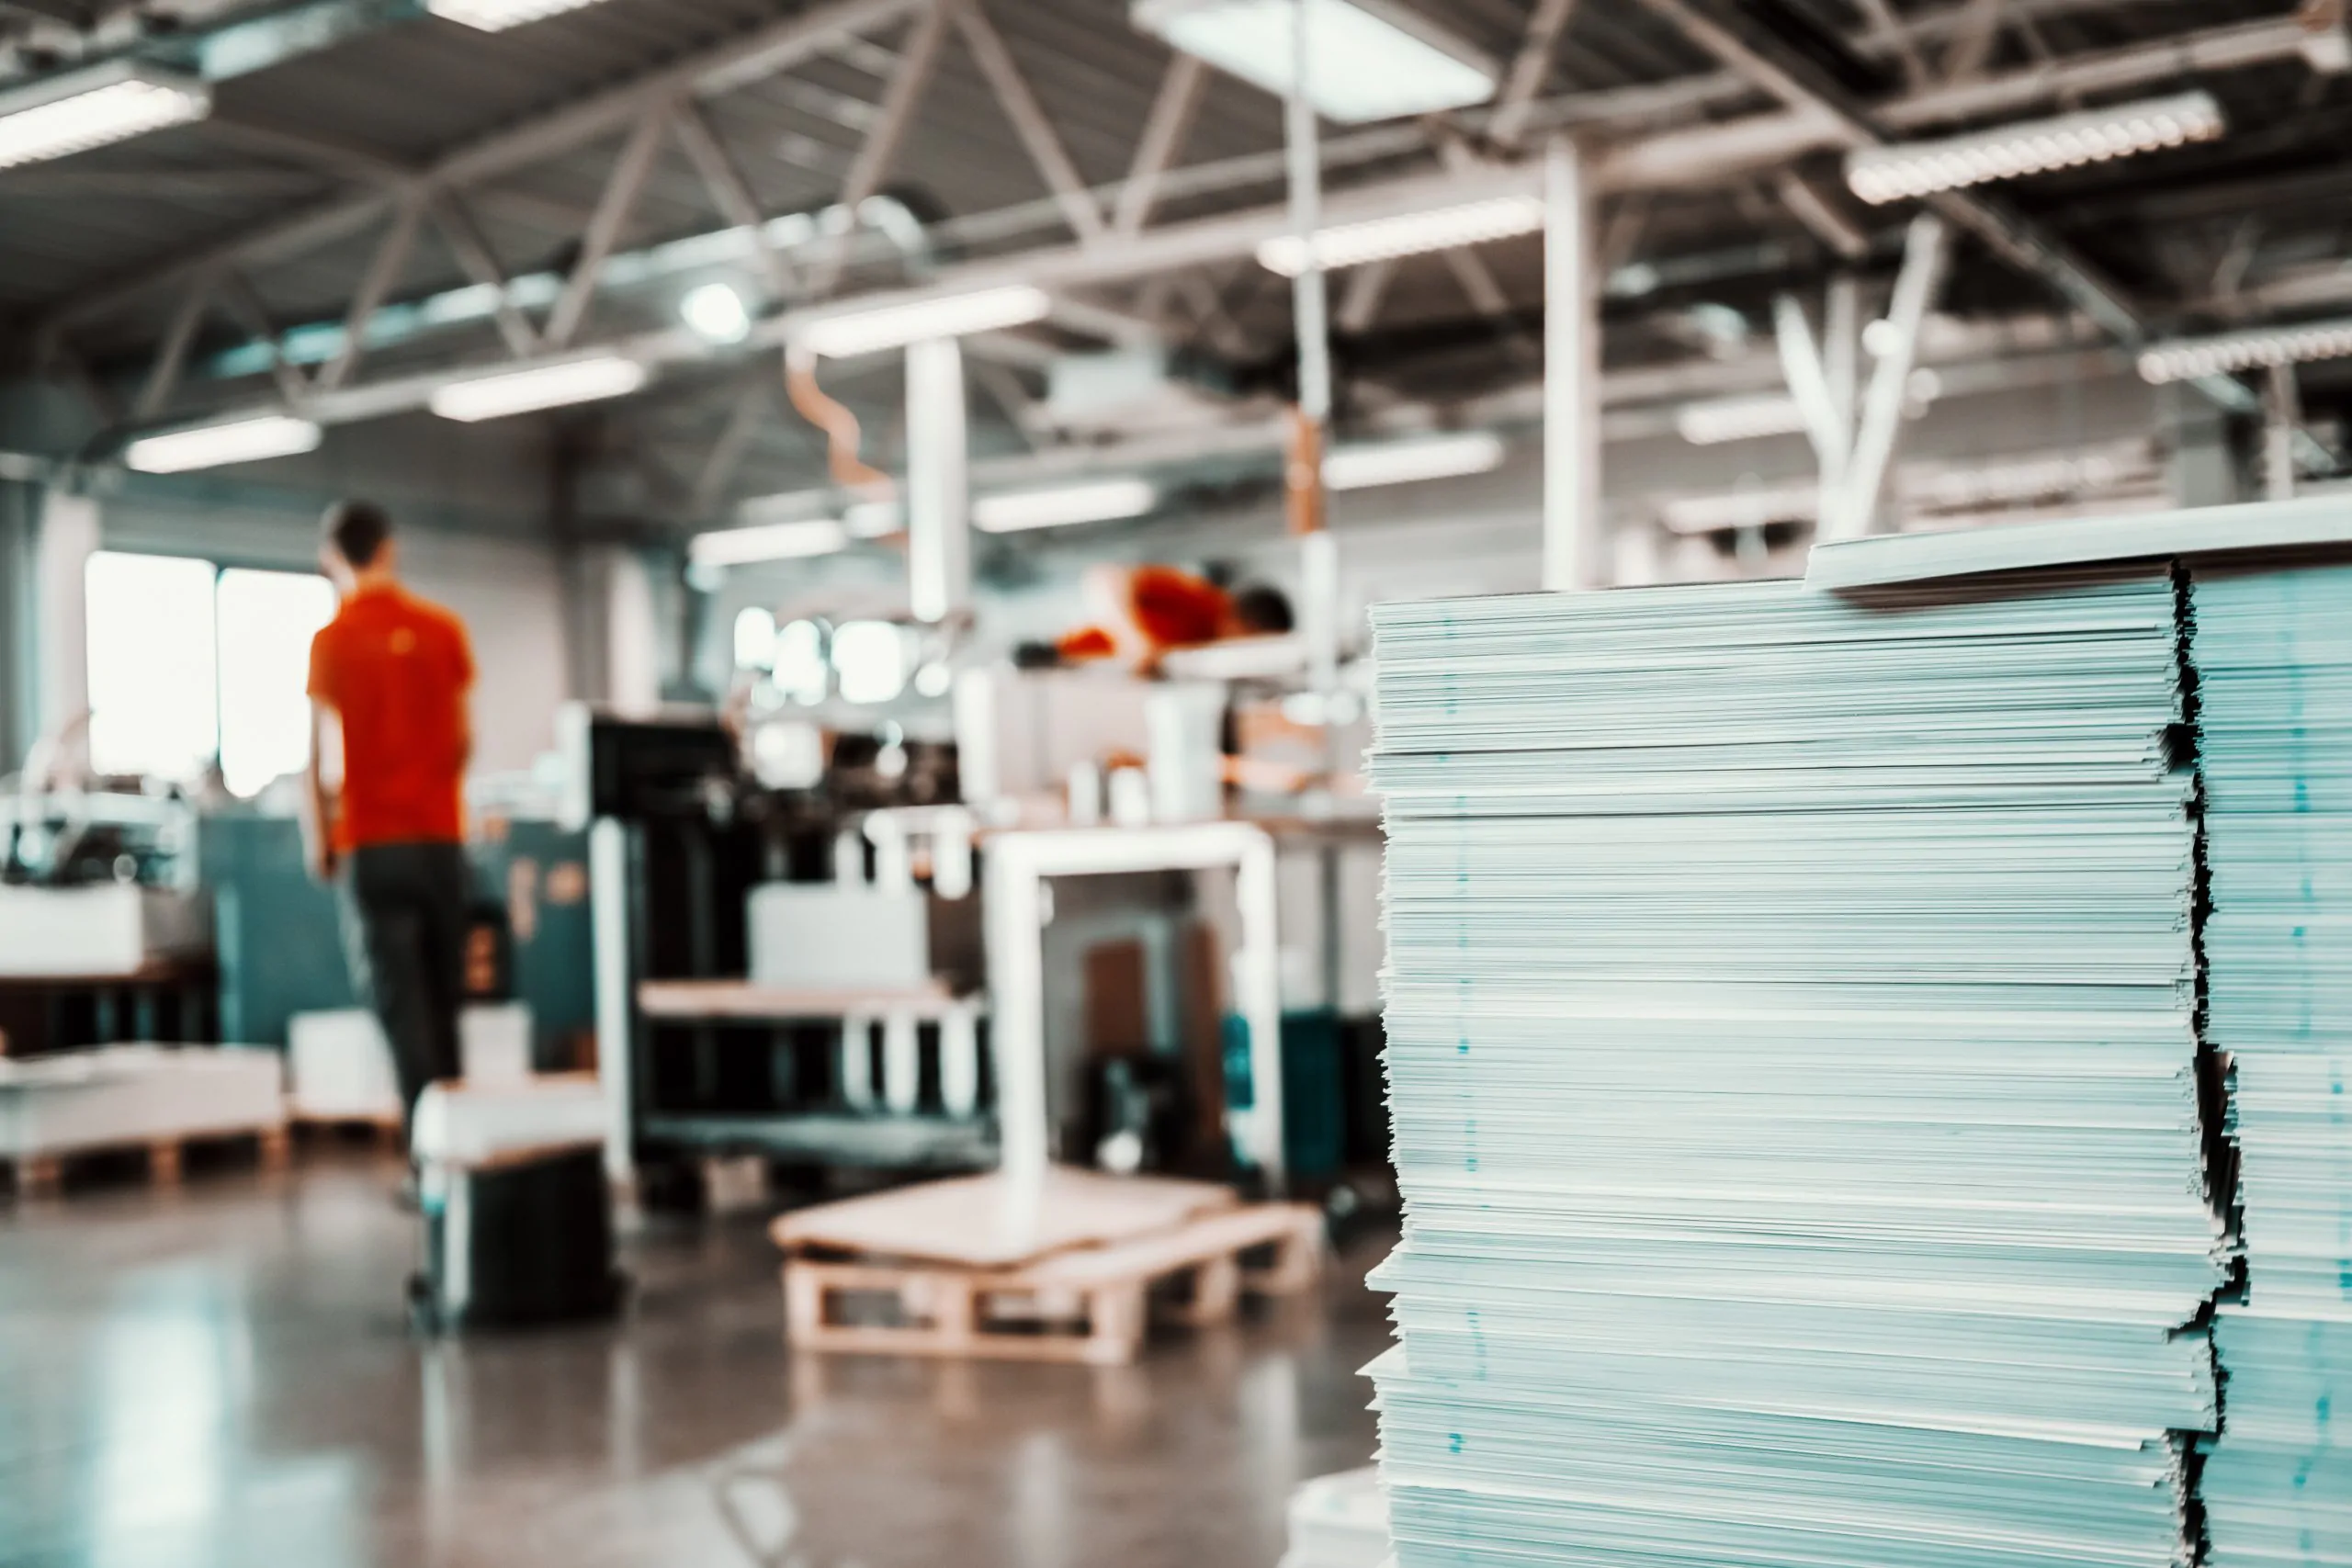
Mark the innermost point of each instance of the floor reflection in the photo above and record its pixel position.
(228, 1379)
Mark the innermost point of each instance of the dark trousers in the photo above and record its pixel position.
(404, 932)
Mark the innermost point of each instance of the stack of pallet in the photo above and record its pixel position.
(1793, 1058)
(1069, 1268)
(2273, 651)
(154, 1098)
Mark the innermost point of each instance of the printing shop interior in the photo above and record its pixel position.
(1359, 784)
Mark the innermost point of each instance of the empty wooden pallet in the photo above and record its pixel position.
(1185, 1256)
(385, 1131)
(43, 1175)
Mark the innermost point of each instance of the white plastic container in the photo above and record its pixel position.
(339, 1067)
(470, 1124)
(840, 936)
(494, 1043)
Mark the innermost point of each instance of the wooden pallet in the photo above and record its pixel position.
(43, 1175)
(1088, 1303)
(987, 1222)
(386, 1132)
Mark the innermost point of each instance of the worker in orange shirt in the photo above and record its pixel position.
(390, 676)
(1141, 613)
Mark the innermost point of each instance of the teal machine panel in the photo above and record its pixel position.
(280, 937)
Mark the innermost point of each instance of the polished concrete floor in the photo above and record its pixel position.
(224, 1377)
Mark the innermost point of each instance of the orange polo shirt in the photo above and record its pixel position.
(396, 671)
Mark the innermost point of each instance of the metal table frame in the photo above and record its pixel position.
(1017, 866)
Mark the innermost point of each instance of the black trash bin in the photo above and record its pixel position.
(522, 1237)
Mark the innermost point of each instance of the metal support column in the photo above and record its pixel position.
(2282, 416)
(68, 537)
(2203, 473)
(611, 893)
(1309, 298)
(939, 553)
(1310, 310)
(1576, 538)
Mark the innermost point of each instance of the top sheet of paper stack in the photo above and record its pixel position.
(1793, 1063)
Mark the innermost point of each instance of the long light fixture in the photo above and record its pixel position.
(1373, 60)
(541, 386)
(1718, 420)
(2006, 151)
(1752, 508)
(90, 108)
(766, 542)
(497, 15)
(2257, 348)
(214, 446)
(1406, 234)
(1405, 462)
(1103, 500)
(1975, 486)
(880, 327)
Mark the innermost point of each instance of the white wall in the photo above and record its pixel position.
(509, 592)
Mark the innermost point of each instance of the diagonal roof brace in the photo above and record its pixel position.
(2017, 239)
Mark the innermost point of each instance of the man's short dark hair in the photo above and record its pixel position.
(357, 530)
(1263, 609)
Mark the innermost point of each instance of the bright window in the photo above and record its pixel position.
(154, 694)
(190, 663)
(267, 619)
(756, 639)
(801, 672)
(870, 660)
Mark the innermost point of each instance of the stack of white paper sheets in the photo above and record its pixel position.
(2273, 651)
(1793, 1058)
(2276, 1488)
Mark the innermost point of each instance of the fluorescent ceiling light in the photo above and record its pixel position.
(716, 312)
(2255, 349)
(90, 108)
(880, 327)
(212, 445)
(1404, 462)
(542, 387)
(1971, 487)
(1407, 235)
(1101, 502)
(1719, 420)
(874, 519)
(497, 15)
(2034, 147)
(1372, 60)
(768, 541)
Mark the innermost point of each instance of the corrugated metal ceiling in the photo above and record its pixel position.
(408, 92)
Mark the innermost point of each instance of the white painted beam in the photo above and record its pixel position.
(1028, 116)
(383, 270)
(615, 207)
(1164, 128)
(1575, 530)
(1924, 252)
